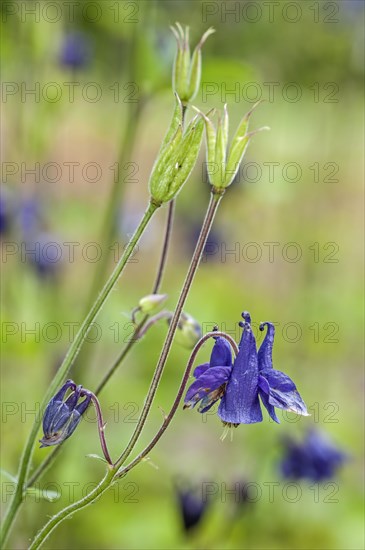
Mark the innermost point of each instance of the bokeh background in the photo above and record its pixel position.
(287, 246)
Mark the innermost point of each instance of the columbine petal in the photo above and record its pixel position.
(200, 369)
(264, 390)
(211, 380)
(240, 403)
(282, 391)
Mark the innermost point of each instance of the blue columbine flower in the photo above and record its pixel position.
(239, 387)
(315, 459)
(62, 417)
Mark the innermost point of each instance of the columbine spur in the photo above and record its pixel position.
(62, 417)
(240, 386)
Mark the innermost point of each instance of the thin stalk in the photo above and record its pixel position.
(110, 476)
(101, 428)
(153, 320)
(65, 367)
(165, 247)
(178, 397)
(133, 339)
(138, 332)
(214, 202)
(44, 533)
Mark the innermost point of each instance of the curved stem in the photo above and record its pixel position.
(138, 332)
(195, 261)
(44, 533)
(101, 428)
(140, 329)
(65, 367)
(152, 321)
(176, 403)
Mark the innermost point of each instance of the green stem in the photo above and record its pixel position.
(44, 533)
(165, 247)
(168, 418)
(195, 261)
(156, 287)
(133, 340)
(111, 474)
(65, 367)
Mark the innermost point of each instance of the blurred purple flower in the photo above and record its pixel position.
(191, 506)
(240, 386)
(75, 50)
(30, 218)
(47, 254)
(4, 215)
(314, 459)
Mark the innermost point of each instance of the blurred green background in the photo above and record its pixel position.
(287, 246)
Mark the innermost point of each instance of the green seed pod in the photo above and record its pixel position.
(196, 67)
(176, 121)
(186, 74)
(175, 162)
(223, 161)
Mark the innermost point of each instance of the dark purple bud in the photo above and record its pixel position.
(62, 416)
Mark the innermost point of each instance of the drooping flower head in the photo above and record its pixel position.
(315, 459)
(240, 386)
(62, 416)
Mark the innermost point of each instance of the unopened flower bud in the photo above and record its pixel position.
(188, 331)
(151, 303)
(62, 416)
(186, 74)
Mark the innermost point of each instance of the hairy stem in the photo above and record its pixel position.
(195, 261)
(165, 247)
(101, 428)
(65, 367)
(138, 332)
(44, 533)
